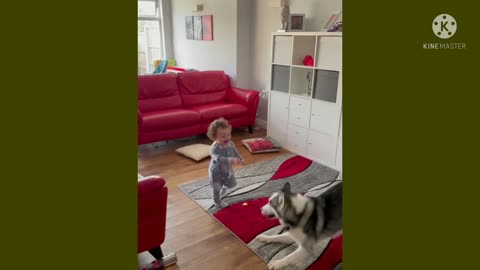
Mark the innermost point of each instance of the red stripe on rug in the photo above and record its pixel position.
(331, 257)
(246, 221)
(292, 166)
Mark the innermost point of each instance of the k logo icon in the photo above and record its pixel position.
(444, 26)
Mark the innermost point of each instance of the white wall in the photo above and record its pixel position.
(317, 12)
(245, 28)
(266, 19)
(167, 28)
(219, 54)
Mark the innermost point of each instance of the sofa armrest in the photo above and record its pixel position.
(150, 184)
(152, 212)
(242, 96)
(140, 119)
(139, 127)
(249, 98)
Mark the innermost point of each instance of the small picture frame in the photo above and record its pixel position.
(296, 22)
(331, 21)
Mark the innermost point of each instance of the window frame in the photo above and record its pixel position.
(160, 26)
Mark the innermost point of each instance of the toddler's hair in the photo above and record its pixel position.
(215, 125)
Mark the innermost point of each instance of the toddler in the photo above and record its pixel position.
(223, 154)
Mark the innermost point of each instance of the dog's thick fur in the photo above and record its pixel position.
(305, 220)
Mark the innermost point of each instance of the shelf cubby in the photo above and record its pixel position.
(326, 85)
(282, 50)
(301, 81)
(302, 46)
(280, 78)
(329, 53)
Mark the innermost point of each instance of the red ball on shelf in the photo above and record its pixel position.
(308, 61)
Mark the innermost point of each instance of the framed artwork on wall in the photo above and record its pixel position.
(189, 26)
(207, 27)
(297, 22)
(197, 28)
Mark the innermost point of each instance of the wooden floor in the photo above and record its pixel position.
(199, 241)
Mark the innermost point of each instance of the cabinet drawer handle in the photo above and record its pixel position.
(313, 114)
(298, 118)
(299, 104)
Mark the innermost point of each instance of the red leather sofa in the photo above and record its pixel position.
(152, 213)
(180, 105)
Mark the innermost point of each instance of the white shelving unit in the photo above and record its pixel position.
(305, 102)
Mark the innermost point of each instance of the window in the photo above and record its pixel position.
(150, 45)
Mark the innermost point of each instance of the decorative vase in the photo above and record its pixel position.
(284, 15)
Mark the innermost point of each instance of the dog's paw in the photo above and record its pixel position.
(263, 238)
(278, 264)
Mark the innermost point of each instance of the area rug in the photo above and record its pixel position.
(255, 184)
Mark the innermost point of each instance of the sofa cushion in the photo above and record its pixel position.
(196, 152)
(261, 145)
(169, 119)
(158, 92)
(211, 112)
(203, 87)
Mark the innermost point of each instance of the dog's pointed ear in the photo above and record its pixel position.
(286, 188)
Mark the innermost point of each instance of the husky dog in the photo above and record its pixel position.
(305, 219)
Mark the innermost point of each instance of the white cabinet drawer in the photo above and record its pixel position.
(297, 146)
(298, 118)
(297, 138)
(325, 117)
(299, 111)
(279, 100)
(297, 132)
(300, 105)
(322, 147)
(278, 116)
(277, 135)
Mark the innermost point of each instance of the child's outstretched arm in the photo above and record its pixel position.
(235, 153)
